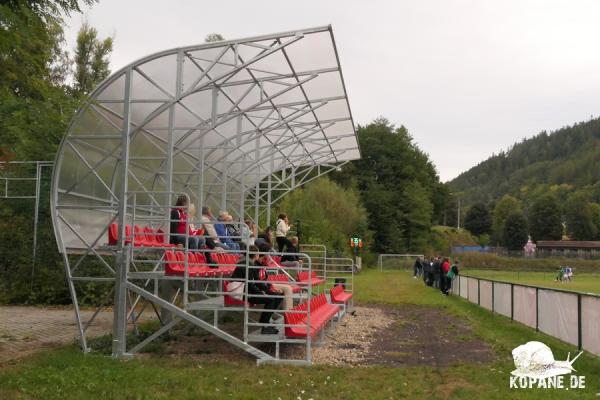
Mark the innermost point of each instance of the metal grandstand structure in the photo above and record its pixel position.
(234, 125)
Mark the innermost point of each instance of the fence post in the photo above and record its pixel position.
(493, 296)
(478, 292)
(537, 309)
(512, 302)
(579, 333)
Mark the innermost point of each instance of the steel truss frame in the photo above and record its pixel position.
(234, 125)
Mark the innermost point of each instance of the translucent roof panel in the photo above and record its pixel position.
(211, 120)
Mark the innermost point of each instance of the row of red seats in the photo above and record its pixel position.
(197, 264)
(304, 277)
(142, 237)
(321, 312)
(339, 295)
(283, 278)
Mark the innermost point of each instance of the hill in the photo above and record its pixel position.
(563, 161)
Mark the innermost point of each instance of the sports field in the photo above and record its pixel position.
(584, 282)
(437, 348)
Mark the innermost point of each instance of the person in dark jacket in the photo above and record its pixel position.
(290, 260)
(259, 292)
(445, 268)
(427, 274)
(436, 270)
(417, 268)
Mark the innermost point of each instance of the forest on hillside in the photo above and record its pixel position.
(563, 162)
(550, 183)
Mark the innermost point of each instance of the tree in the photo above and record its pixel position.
(515, 231)
(545, 219)
(328, 213)
(503, 208)
(580, 218)
(478, 220)
(416, 218)
(91, 59)
(214, 37)
(399, 187)
(36, 105)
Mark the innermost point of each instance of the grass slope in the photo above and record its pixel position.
(68, 374)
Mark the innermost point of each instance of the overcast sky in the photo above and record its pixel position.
(466, 77)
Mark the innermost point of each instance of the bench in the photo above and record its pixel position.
(304, 278)
(142, 237)
(339, 295)
(197, 265)
(321, 312)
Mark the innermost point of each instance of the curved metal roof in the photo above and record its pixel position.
(212, 120)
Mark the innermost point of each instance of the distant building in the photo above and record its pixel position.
(569, 245)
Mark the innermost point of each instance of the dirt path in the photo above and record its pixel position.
(26, 330)
(402, 336)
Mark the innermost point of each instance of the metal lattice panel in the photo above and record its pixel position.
(214, 120)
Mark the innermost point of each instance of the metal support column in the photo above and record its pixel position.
(120, 300)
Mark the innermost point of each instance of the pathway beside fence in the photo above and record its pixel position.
(26, 330)
(569, 316)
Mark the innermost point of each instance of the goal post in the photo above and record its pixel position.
(396, 262)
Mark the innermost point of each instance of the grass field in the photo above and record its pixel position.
(584, 282)
(68, 374)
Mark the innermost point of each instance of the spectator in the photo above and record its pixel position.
(445, 268)
(282, 228)
(264, 237)
(291, 261)
(222, 232)
(436, 269)
(427, 272)
(452, 274)
(258, 292)
(286, 289)
(417, 268)
(180, 227)
(212, 239)
(248, 233)
(233, 231)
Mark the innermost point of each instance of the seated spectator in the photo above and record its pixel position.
(233, 231)
(248, 233)
(212, 239)
(271, 299)
(281, 229)
(286, 289)
(264, 237)
(180, 227)
(222, 232)
(292, 261)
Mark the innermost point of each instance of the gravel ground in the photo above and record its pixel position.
(349, 343)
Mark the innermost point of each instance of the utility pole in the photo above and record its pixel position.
(458, 214)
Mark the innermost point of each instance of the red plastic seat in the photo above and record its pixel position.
(303, 278)
(283, 278)
(152, 237)
(339, 295)
(232, 301)
(139, 237)
(113, 234)
(320, 314)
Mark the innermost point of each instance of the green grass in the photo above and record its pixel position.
(584, 282)
(68, 374)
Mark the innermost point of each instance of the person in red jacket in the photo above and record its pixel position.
(444, 285)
